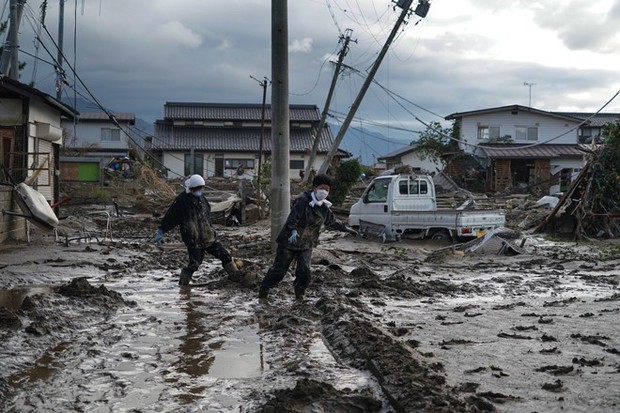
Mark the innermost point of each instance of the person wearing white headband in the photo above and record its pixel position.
(300, 235)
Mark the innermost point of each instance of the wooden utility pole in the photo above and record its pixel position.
(405, 4)
(317, 134)
(280, 129)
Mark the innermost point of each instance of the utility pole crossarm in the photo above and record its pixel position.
(405, 4)
(319, 130)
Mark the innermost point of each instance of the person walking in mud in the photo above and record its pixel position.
(300, 235)
(190, 211)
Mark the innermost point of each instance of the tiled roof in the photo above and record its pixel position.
(533, 152)
(234, 112)
(597, 120)
(169, 138)
(102, 116)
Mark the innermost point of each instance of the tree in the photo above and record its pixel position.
(435, 141)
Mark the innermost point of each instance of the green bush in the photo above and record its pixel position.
(347, 174)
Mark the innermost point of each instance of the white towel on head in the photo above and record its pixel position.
(316, 202)
(187, 186)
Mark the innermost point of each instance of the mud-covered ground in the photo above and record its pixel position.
(95, 322)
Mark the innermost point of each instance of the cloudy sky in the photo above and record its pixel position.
(135, 55)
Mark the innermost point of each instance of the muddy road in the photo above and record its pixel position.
(102, 326)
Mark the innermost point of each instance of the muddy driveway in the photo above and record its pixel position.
(400, 327)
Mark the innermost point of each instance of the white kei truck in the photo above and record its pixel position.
(397, 206)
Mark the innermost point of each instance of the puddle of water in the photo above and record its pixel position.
(12, 299)
(240, 356)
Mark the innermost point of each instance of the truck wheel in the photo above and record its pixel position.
(441, 235)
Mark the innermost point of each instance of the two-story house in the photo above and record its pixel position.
(30, 139)
(524, 147)
(93, 140)
(228, 140)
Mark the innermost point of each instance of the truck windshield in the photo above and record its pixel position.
(378, 191)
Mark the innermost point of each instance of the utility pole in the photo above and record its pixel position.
(9, 63)
(421, 11)
(529, 105)
(264, 85)
(317, 134)
(280, 120)
(61, 31)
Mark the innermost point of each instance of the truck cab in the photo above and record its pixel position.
(392, 193)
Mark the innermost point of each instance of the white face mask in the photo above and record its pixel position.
(321, 194)
(197, 194)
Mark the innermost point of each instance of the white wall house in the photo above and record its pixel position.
(408, 156)
(30, 138)
(224, 140)
(524, 147)
(93, 140)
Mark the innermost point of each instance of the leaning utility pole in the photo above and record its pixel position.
(421, 11)
(264, 85)
(319, 130)
(280, 129)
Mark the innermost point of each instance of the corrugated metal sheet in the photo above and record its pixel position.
(533, 152)
(234, 112)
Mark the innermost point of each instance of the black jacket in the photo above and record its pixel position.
(307, 221)
(192, 215)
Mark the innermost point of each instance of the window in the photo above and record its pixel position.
(110, 135)
(378, 191)
(486, 133)
(525, 133)
(236, 163)
(296, 164)
(415, 187)
(198, 163)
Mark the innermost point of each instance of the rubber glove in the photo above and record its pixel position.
(159, 237)
(293, 238)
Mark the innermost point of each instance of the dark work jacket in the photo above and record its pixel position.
(192, 215)
(307, 221)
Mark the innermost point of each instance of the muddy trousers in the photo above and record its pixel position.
(283, 260)
(197, 255)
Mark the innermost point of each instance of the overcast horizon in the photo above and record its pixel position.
(134, 56)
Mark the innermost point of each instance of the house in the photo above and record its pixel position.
(31, 137)
(528, 148)
(409, 156)
(227, 140)
(93, 142)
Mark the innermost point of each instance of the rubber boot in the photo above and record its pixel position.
(263, 292)
(299, 293)
(185, 278)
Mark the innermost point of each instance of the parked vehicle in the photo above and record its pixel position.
(396, 206)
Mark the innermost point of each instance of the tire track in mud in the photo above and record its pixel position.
(409, 383)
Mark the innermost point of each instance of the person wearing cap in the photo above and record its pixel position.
(190, 211)
(300, 235)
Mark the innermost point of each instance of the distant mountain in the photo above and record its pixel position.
(369, 145)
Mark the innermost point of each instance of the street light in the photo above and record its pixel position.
(529, 105)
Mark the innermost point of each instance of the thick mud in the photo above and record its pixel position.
(97, 322)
